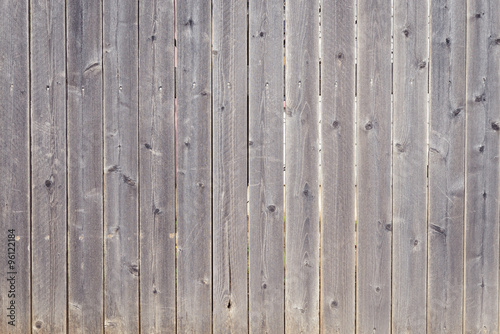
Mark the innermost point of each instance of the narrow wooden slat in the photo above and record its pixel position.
(302, 164)
(229, 117)
(337, 166)
(482, 167)
(446, 167)
(266, 209)
(121, 262)
(157, 166)
(48, 165)
(85, 167)
(374, 84)
(194, 209)
(15, 167)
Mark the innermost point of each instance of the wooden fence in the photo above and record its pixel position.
(141, 166)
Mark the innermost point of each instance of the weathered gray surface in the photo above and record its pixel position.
(194, 207)
(337, 166)
(157, 166)
(302, 160)
(482, 166)
(121, 217)
(265, 145)
(48, 166)
(229, 117)
(409, 173)
(374, 167)
(446, 167)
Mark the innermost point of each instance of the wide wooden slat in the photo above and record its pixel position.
(229, 117)
(265, 144)
(15, 167)
(446, 167)
(374, 84)
(482, 166)
(121, 253)
(48, 165)
(302, 167)
(194, 207)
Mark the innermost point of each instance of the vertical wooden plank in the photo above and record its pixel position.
(121, 262)
(337, 166)
(194, 171)
(229, 117)
(85, 167)
(302, 161)
(374, 84)
(446, 167)
(15, 167)
(48, 162)
(157, 166)
(409, 252)
(482, 166)
(266, 210)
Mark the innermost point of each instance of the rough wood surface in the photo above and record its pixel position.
(121, 221)
(48, 166)
(194, 172)
(482, 166)
(265, 145)
(446, 167)
(302, 160)
(374, 156)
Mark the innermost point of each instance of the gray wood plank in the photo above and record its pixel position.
(409, 251)
(374, 84)
(157, 166)
(482, 167)
(48, 166)
(194, 206)
(302, 167)
(446, 167)
(85, 167)
(337, 166)
(266, 207)
(15, 165)
(229, 117)
(121, 252)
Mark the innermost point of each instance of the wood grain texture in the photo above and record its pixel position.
(409, 173)
(121, 251)
(482, 167)
(266, 209)
(85, 167)
(446, 167)
(48, 166)
(229, 117)
(194, 171)
(157, 166)
(302, 171)
(337, 166)
(15, 161)
(374, 84)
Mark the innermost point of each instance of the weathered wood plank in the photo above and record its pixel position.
(374, 84)
(48, 166)
(15, 165)
(302, 167)
(85, 167)
(157, 166)
(446, 167)
(337, 166)
(266, 209)
(409, 252)
(229, 117)
(121, 262)
(194, 185)
(482, 166)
